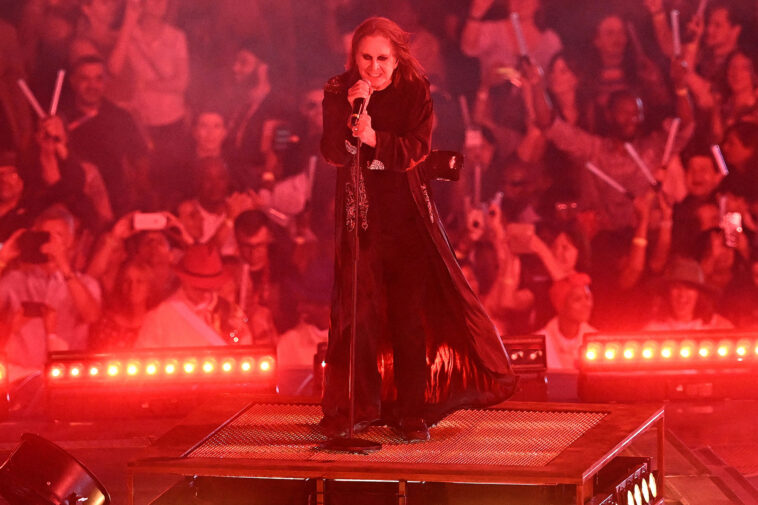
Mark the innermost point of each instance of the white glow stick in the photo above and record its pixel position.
(464, 111)
(57, 92)
(701, 8)
(640, 163)
(608, 179)
(675, 32)
(31, 98)
(244, 285)
(477, 184)
(311, 174)
(520, 40)
(716, 151)
(673, 129)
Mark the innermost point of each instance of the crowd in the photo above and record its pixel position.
(178, 197)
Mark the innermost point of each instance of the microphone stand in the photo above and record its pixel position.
(351, 443)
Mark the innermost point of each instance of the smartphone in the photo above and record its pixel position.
(33, 309)
(149, 221)
(519, 237)
(30, 247)
(732, 225)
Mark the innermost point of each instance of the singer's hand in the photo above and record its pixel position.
(361, 89)
(364, 131)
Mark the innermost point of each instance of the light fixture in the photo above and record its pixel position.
(40, 472)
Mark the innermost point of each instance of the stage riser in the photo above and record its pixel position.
(238, 491)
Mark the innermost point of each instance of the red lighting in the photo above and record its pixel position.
(189, 367)
(152, 368)
(234, 365)
(209, 365)
(247, 365)
(113, 369)
(611, 351)
(593, 351)
(132, 368)
(171, 367)
(266, 364)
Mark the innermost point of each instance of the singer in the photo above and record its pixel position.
(425, 346)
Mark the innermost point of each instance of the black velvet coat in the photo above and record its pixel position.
(466, 363)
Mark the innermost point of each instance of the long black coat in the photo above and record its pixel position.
(466, 363)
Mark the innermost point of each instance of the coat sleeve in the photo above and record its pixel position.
(336, 111)
(399, 151)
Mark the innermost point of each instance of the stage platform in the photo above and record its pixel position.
(519, 444)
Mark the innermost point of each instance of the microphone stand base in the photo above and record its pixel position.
(354, 445)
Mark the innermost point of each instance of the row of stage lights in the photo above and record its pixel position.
(62, 368)
(669, 352)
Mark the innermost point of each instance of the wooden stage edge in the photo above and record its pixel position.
(281, 442)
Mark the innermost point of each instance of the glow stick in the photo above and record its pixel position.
(31, 98)
(701, 8)
(673, 129)
(244, 285)
(477, 184)
(520, 40)
(57, 92)
(675, 32)
(608, 180)
(640, 163)
(311, 174)
(716, 151)
(464, 111)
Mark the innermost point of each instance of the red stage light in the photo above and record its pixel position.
(189, 366)
(631, 350)
(611, 351)
(75, 370)
(706, 349)
(687, 349)
(2, 372)
(593, 351)
(724, 348)
(266, 364)
(228, 365)
(114, 368)
(247, 364)
(152, 367)
(56, 371)
(132, 368)
(209, 365)
(94, 370)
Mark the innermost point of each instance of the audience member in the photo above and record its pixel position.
(196, 316)
(258, 277)
(564, 334)
(124, 309)
(46, 304)
(688, 303)
(106, 135)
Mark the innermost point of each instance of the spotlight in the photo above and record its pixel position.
(40, 472)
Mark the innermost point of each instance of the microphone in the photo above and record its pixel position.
(359, 106)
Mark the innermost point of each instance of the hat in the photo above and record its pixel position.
(201, 267)
(687, 271)
(560, 289)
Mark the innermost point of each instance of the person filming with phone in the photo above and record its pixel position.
(45, 304)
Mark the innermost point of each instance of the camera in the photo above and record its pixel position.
(30, 246)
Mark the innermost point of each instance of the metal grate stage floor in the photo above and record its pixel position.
(501, 437)
(518, 444)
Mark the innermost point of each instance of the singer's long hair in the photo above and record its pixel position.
(408, 68)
